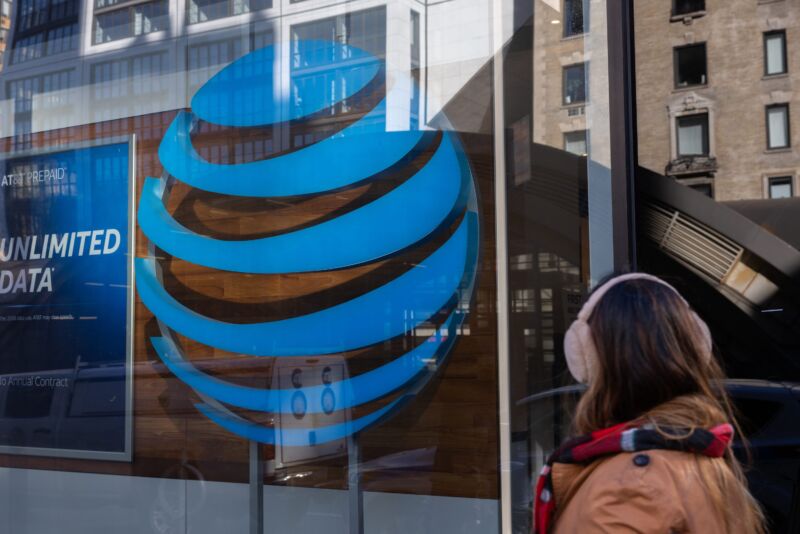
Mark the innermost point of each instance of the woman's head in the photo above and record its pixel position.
(647, 356)
(638, 344)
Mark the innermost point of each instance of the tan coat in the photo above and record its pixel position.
(659, 494)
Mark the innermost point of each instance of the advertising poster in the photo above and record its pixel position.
(65, 302)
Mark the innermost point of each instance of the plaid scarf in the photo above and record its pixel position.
(625, 437)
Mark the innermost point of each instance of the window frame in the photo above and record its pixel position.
(785, 67)
(681, 16)
(129, 7)
(585, 133)
(782, 179)
(68, 15)
(564, 18)
(230, 11)
(706, 153)
(564, 69)
(675, 64)
(787, 122)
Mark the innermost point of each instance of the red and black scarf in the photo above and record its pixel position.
(625, 437)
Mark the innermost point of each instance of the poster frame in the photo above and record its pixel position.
(126, 455)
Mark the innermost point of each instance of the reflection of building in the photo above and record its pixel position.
(714, 95)
(75, 63)
(5, 25)
(560, 74)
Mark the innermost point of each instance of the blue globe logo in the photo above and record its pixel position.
(434, 204)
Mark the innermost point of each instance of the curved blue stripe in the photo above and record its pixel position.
(290, 437)
(368, 233)
(386, 312)
(243, 93)
(350, 392)
(358, 152)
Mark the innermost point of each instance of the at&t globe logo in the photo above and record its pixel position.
(433, 209)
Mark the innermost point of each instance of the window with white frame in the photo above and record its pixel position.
(778, 135)
(692, 135)
(43, 27)
(133, 84)
(205, 10)
(780, 187)
(315, 58)
(775, 53)
(123, 20)
(207, 58)
(52, 96)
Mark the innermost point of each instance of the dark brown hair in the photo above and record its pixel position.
(654, 367)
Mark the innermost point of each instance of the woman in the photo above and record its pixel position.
(656, 424)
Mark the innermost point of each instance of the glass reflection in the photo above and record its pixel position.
(127, 69)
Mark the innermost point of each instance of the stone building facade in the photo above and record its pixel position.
(717, 94)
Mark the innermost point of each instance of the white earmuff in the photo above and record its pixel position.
(579, 348)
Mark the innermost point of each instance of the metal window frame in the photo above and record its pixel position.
(787, 122)
(623, 132)
(706, 133)
(780, 180)
(785, 65)
(583, 65)
(584, 10)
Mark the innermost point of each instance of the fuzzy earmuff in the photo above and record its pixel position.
(579, 348)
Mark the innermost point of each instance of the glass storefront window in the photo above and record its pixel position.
(293, 265)
(248, 267)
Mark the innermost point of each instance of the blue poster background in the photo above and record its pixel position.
(63, 351)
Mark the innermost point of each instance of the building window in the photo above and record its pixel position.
(780, 187)
(44, 27)
(575, 142)
(523, 301)
(314, 56)
(778, 126)
(775, 53)
(575, 18)
(690, 65)
(203, 10)
(693, 135)
(207, 58)
(687, 7)
(50, 91)
(131, 20)
(574, 81)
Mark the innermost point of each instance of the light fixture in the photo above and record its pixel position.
(556, 21)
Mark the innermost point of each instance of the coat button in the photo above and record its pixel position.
(641, 460)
